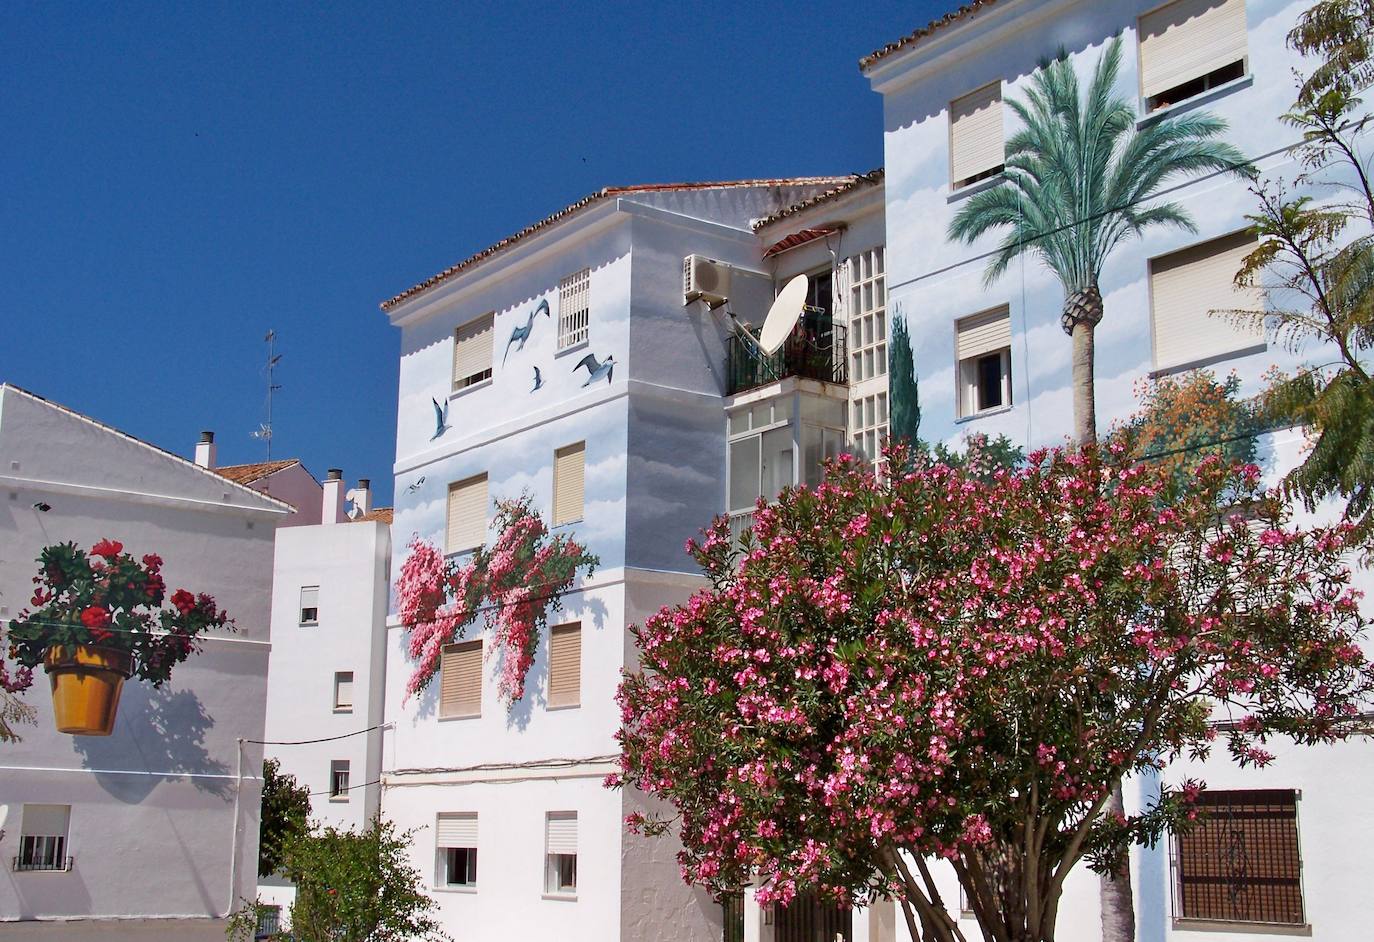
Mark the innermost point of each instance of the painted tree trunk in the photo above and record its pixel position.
(1082, 314)
(1115, 895)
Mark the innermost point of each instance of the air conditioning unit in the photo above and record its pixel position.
(705, 279)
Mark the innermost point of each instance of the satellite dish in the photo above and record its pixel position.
(783, 315)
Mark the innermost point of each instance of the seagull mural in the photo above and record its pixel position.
(538, 380)
(416, 485)
(440, 418)
(596, 369)
(523, 333)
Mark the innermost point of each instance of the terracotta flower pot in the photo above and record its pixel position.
(86, 681)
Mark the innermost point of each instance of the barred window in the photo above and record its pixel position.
(574, 309)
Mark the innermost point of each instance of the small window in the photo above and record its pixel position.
(574, 309)
(983, 352)
(269, 921)
(43, 838)
(310, 605)
(569, 466)
(976, 149)
(560, 871)
(460, 679)
(456, 840)
(565, 665)
(467, 514)
(1241, 861)
(343, 691)
(1185, 286)
(1188, 47)
(472, 352)
(338, 780)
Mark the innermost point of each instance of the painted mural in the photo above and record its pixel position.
(937, 277)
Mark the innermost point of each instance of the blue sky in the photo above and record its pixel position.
(180, 178)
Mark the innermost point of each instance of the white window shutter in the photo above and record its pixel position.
(568, 477)
(565, 665)
(983, 333)
(45, 820)
(574, 308)
(460, 679)
(467, 514)
(456, 830)
(472, 350)
(562, 832)
(310, 596)
(1185, 286)
(1187, 39)
(975, 133)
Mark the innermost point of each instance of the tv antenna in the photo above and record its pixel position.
(264, 431)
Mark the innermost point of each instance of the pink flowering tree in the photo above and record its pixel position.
(513, 585)
(958, 665)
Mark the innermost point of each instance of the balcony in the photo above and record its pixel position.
(59, 864)
(814, 350)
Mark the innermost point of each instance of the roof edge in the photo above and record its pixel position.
(915, 36)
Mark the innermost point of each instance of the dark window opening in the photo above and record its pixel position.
(462, 866)
(989, 381)
(1205, 83)
(819, 293)
(980, 176)
(474, 379)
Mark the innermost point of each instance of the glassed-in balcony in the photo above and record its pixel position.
(814, 350)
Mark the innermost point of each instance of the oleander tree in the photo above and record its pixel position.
(962, 666)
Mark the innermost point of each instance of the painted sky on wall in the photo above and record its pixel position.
(180, 178)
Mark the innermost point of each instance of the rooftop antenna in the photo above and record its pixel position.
(264, 431)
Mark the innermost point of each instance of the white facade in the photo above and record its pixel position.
(162, 815)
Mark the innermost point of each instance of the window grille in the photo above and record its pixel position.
(574, 309)
(43, 838)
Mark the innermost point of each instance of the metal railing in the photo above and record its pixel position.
(19, 864)
(816, 349)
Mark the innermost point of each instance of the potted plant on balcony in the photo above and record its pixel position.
(98, 619)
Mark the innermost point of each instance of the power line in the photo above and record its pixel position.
(307, 742)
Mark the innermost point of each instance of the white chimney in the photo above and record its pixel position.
(332, 511)
(362, 496)
(205, 450)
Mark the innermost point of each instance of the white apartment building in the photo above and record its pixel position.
(151, 832)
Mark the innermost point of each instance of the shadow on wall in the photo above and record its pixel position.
(158, 730)
(591, 611)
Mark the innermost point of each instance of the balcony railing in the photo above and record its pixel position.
(20, 864)
(814, 350)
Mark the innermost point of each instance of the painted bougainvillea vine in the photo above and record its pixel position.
(514, 584)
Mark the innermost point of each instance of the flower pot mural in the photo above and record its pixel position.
(98, 620)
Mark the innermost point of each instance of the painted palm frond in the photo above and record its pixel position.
(1081, 178)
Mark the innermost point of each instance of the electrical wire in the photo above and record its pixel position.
(307, 742)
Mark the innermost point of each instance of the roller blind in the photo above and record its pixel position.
(562, 832)
(467, 514)
(47, 820)
(1188, 39)
(568, 468)
(565, 665)
(983, 333)
(343, 689)
(460, 679)
(456, 830)
(472, 351)
(310, 596)
(975, 133)
(1184, 286)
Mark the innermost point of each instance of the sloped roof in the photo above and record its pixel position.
(248, 473)
(598, 196)
(379, 514)
(854, 181)
(950, 18)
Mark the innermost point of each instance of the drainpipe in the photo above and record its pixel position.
(234, 842)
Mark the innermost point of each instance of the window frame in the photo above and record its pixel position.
(340, 707)
(565, 452)
(470, 480)
(967, 385)
(1209, 81)
(979, 176)
(302, 608)
(558, 864)
(474, 330)
(337, 768)
(574, 323)
(568, 628)
(40, 850)
(454, 648)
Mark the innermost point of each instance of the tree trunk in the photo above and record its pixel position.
(1118, 902)
(1082, 314)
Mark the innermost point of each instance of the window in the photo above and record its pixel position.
(565, 665)
(983, 351)
(467, 514)
(574, 309)
(1188, 47)
(472, 352)
(975, 136)
(869, 425)
(1241, 862)
(460, 679)
(343, 691)
(43, 838)
(868, 357)
(456, 838)
(1185, 286)
(269, 921)
(310, 605)
(560, 872)
(338, 780)
(569, 465)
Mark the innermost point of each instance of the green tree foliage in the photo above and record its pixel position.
(1079, 182)
(903, 394)
(285, 810)
(1317, 276)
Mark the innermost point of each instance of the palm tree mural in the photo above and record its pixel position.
(1078, 183)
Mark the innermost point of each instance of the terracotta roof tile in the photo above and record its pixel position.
(954, 16)
(248, 473)
(380, 514)
(851, 183)
(598, 196)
